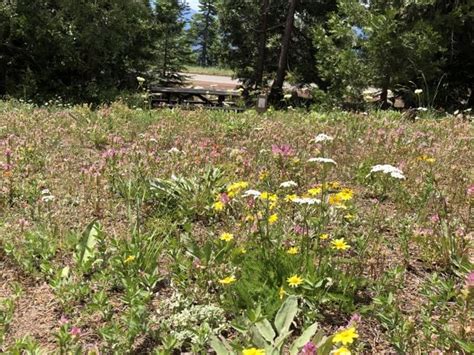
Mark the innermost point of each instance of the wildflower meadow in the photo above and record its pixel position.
(130, 231)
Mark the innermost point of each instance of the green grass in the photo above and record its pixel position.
(208, 70)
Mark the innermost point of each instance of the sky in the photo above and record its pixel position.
(193, 4)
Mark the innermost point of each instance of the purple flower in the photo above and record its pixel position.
(284, 150)
(298, 229)
(308, 349)
(224, 198)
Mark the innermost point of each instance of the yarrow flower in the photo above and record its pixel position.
(322, 160)
(226, 237)
(340, 244)
(322, 137)
(252, 193)
(287, 184)
(253, 351)
(227, 280)
(387, 169)
(307, 201)
(294, 281)
(345, 336)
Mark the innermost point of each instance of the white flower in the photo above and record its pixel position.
(322, 137)
(45, 192)
(48, 198)
(418, 91)
(322, 160)
(422, 109)
(174, 150)
(140, 79)
(306, 201)
(287, 96)
(253, 193)
(288, 184)
(389, 170)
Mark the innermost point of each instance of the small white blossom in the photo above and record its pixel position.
(174, 150)
(322, 160)
(288, 184)
(418, 91)
(307, 201)
(253, 193)
(422, 109)
(140, 79)
(389, 170)
(322, 137)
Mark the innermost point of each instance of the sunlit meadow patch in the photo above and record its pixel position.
(311, 233)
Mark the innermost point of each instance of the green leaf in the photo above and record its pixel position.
(286, 314)
(220, 347)
(85, 250)
(304, 338)
(266, 330)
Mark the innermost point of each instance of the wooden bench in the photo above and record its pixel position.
(192, 98)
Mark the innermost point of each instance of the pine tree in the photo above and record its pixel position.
(173, 47)
(204, 33)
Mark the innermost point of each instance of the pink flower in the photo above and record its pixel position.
(470, 191)
(356, 318)
(298, 229)
(64, 320)
(75, 332)
(470, 279)
(8, 153)
(434, 218)
(308, 349)
(284, 150)
(224, 198)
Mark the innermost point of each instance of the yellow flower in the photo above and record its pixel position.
(314, 191)
(427, 159)
(218, 206)
(295, 160)
(290, 198)
(253, 351)
(334, 184)
(346, 336)
(226, 237)
(263, 175)
(237, 187)
(281, 293)
(294, 281)
(340, 244)
(268, 196)
(273, 205)
(293, 251)
(243, 250)
(346, 194)
(249, 218)
(324, 236)
(341, 351)
(227, 280)
(349, 217)
(129, 259)
(335, 200)
(273, 218)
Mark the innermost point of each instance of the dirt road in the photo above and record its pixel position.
(211, 81)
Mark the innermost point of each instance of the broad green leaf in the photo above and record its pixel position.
(286, 314)
(303, 338)
(219, 347)
(86, 247)
(266, 330)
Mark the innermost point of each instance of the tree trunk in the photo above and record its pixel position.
(277, 87)
(262, 43)
(384, 94)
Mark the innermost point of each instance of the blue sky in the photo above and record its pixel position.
(194, 4)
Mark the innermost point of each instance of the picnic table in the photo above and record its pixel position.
(190, 98)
